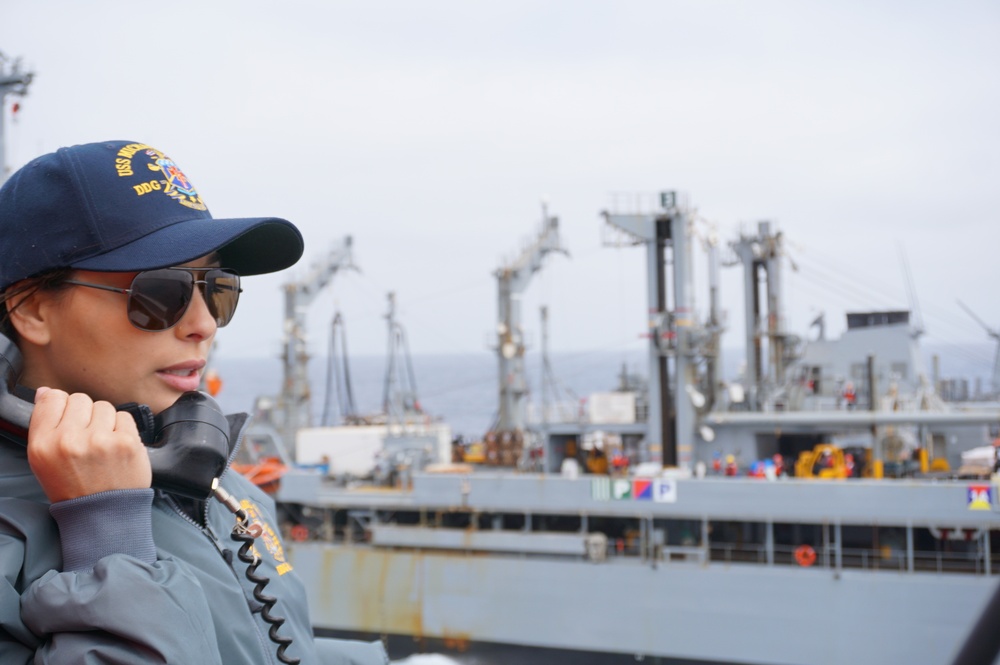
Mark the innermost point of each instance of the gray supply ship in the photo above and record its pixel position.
(541, 545)
(828, 507)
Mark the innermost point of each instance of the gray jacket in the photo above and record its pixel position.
(130, 576)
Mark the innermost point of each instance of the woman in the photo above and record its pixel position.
(115, 279)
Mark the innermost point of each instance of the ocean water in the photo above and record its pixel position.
(460, 389)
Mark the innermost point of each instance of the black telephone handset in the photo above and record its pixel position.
(188, 442)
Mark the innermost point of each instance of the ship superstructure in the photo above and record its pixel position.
(668, 558)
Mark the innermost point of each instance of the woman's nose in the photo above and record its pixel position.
(197, 321)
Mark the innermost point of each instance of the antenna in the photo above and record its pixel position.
(911, 295)
(995, 334)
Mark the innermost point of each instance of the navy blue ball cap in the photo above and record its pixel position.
(123, 206)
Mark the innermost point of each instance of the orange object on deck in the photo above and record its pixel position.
(805, 555)
(265, 473)
(213, 382)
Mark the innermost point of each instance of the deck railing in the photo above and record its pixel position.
(856, 558)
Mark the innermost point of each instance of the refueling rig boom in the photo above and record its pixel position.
(505, 441)
(294, 405)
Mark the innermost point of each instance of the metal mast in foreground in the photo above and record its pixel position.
(13, 81)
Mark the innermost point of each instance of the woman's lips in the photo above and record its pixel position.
(183, 377)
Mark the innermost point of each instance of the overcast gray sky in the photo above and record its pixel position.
(431, 131)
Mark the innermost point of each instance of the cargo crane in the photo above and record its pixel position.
(505, 441)
(294, 404)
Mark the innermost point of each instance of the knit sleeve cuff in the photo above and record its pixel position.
(115, 522)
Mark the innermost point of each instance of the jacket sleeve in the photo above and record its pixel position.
(120, 608)
(17, 643)
(350, 652)
(112, 599)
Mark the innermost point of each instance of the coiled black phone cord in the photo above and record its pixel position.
(246, 532)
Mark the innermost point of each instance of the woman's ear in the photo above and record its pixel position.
(27, 313)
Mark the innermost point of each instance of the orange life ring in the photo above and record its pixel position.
(805, 555)
(299, 533)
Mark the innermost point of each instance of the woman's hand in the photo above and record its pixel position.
(78, 447)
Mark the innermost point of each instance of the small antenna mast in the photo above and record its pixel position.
(911, 294)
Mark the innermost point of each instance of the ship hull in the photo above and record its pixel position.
(700, 612)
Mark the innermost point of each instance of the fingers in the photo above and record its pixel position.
(78, 447)
(49, 407)
(56, 408)
(103, 415)
(124, 423)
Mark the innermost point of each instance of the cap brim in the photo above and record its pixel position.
(250, 246)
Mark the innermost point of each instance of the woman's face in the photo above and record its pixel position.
(93, 348)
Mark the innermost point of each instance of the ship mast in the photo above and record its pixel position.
(13, 81)
(762, 253)
(294, 407)
(674, 334)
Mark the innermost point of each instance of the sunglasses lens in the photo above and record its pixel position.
(159, 298)
(222, 294)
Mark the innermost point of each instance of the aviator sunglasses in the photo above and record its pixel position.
(158, 299)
